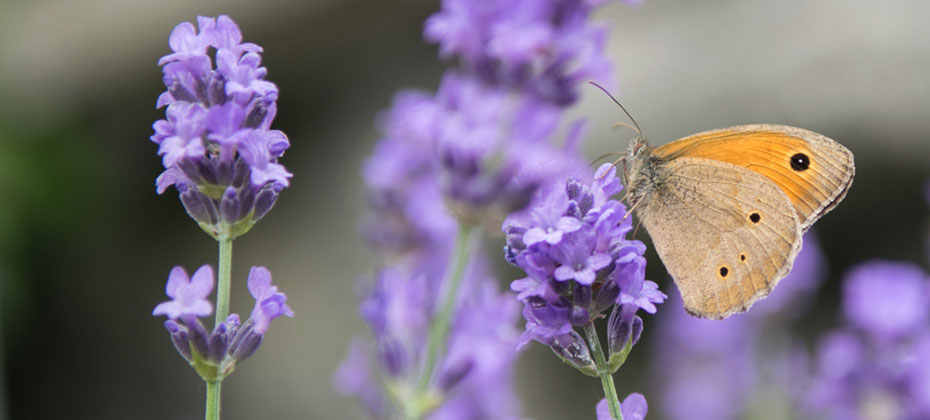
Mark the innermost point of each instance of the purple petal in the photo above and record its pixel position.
(634, 407)
(259, 282)
(568, 224)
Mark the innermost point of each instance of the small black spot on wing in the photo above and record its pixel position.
(800, 162)
(755, 217)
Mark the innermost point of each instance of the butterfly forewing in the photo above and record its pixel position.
(812, 170)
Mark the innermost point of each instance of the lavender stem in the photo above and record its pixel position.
(603, 370)
(222, 311)
(439, 331)
(223, 280)
(213, 401)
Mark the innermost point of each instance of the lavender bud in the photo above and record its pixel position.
(574, 210)
(246, 200)
(245, 343)
(573, 350)
(582, 295)
(198, 206)
(265, 199)
(454, 373)
(198, 335)
(218, 343)
(180, 339)
(606, 296)
(256, 115)
(216, 89)
(573, 189)
(618, 331)
(392, 355)
(585, 201)
(232, 324)
(580, 316)
(510, 255)
(240, 173)
(229, 206)
(637, 328)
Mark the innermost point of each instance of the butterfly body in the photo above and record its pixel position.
(726, 208)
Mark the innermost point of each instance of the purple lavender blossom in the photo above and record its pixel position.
(545, 48)
(216, 143)
(472, 380)
(589, 269)
(269, 302)
(407, 216)
(877, 366)
(478, 149)
(633, 407)
(495, 148)
(887, 299)
(471, 153)
(215, 354)
(189, 295)
(705, 369)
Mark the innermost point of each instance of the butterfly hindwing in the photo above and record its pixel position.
(725, 234)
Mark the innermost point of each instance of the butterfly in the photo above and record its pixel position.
(726, 208)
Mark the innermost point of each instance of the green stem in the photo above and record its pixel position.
(440, 329)
(213, 401)
(603, 370)
(222, 284)
(222, 311)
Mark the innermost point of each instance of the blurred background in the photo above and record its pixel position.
(86, 244)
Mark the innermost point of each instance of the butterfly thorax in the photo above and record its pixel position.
(641, 173)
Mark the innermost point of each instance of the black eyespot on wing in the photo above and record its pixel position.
(800, 162)
(755, 217)
(742, 257)
(724, 272)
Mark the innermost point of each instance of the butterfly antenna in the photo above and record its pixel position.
(638, 130)
(603, 156)
(638, 224)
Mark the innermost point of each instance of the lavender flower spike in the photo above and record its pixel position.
(215, 354)
(216, 143)
(591, 268)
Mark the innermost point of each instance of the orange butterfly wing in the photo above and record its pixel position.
(812, 170)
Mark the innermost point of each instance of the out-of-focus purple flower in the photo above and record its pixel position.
(705, 369)
(216, 143)
(215, 354)
(407, 216)
(470, 153)
(877, 368)
(189, 295)
(544, 47)
(495, 148)
(355, 377)
(591, 268)
(887, 299)
(473, 377)
(634, 407)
